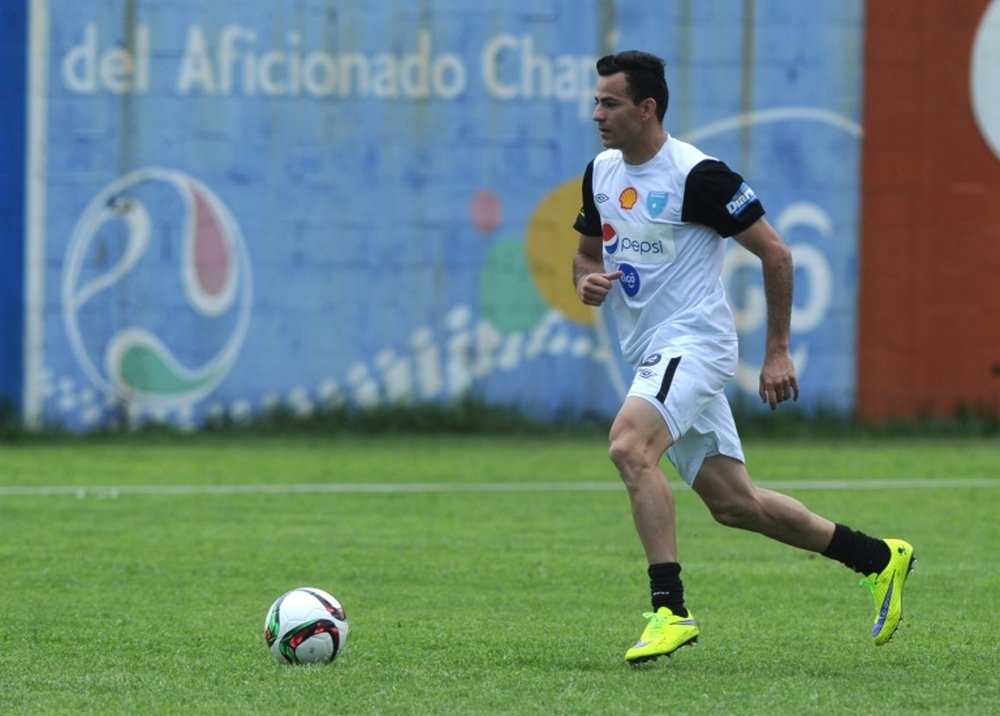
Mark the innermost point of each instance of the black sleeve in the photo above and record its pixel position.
(588, 221)
(717, 196)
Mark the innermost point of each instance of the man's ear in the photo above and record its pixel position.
(648, 108)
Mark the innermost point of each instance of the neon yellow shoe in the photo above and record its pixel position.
(886, 589)
(664, 634)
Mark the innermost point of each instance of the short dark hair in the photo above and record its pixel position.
(645, 76)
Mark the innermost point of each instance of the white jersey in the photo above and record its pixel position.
(663, 225)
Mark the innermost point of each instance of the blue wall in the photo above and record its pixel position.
(13, 77)
(313, 202)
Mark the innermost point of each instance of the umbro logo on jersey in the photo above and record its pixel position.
(601, 198)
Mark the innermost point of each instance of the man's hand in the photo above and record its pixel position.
(777, 380)
(593, 288)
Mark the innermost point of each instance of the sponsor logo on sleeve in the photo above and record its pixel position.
(741, 200)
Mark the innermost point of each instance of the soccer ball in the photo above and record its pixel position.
(306, 626)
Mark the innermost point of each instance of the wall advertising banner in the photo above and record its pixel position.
(308, 203)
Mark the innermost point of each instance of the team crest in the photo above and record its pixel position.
(656, 201)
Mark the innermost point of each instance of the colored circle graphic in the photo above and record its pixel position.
(508, 297)
(486, 211)
(551, 244)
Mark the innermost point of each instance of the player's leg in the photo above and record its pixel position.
(639, 437)
(734, 500)
(674, 382)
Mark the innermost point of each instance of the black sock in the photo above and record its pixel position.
(666, 587)
(857, 550)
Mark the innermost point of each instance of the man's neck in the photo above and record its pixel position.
(645, 149)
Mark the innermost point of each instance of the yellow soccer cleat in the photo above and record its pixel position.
(664, 634)
(886, 589)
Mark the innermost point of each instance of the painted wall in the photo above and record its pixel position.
(13, 76)
(929, 334)
(306, 202)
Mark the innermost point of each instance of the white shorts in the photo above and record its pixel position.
(685, 380)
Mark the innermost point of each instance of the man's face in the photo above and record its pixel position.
(617, 116)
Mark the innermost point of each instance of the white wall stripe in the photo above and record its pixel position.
(35, 210)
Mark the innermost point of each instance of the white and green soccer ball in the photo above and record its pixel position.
(306, 626)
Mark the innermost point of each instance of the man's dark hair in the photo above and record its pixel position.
(644, 76)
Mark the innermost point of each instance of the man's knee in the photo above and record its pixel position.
(739, 512)
(628, 456)
(638, 439)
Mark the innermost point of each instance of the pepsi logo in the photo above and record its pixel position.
(610, 238)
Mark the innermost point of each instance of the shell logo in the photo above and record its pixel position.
(628, 197)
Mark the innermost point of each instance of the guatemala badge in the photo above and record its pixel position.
(656, 201)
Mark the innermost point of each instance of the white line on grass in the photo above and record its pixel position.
(428, 487)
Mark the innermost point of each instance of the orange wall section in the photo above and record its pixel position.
(929, 316)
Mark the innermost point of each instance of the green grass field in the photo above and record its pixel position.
(480, 575)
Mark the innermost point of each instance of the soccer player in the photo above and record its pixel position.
(655, 214)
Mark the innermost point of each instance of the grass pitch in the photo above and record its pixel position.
(479, 575)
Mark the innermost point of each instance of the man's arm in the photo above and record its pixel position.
(591, 281)
(778, 381)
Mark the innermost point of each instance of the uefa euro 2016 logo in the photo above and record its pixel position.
(156, 290)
